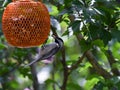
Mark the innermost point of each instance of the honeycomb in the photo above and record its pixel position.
(26, 23)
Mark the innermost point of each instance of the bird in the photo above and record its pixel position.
(48, 50)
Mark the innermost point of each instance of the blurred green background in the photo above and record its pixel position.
(97, 21)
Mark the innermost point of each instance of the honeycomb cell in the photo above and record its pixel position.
(26, 23)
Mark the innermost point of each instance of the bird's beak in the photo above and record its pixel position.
(54, 36)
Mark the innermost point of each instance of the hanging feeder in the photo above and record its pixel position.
(26, 23)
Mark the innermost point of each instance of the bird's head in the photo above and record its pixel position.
(58, 40)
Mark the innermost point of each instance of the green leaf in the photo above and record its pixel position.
(84, 69)
(118, 85)
(53, 10)
(94, 31)
(73, 86)
(2, 46)
(112, 83)
(14, 84)
(78, 3)
(98, 43)
(116, 65)
(85, 45)
(116, 34)
(51, 81)
(90, 83)
(66, 33)
(67, 3)
(75, 26)
(25, 72)
(98, 32)
(105, 36)
(99, 86)
(48, 81)
(115, 48)
(115, 80)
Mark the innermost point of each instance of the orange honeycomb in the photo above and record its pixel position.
(26, 23)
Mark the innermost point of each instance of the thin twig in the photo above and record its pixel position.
(76, 65)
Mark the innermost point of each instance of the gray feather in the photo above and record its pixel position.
(48, 50)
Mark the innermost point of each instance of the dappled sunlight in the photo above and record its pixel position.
(44, 74)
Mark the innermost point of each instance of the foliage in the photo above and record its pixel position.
(89, 28)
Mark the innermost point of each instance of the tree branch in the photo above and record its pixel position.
(76, 65)
(97, 67)
(94, 62)
(63, 61)
(34, 75)
(111, 60)
(65, 69)
(91, 57)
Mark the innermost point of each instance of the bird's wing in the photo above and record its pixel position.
(44, 53)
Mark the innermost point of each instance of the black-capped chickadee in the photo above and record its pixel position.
(48, 50)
